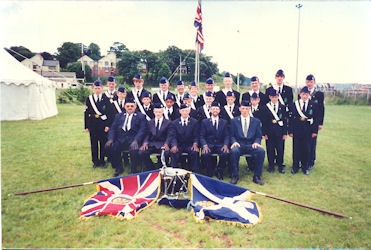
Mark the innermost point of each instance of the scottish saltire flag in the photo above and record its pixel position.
(123, 197)
(221, 201)
(198, 25)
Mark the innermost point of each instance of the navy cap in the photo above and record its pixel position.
(245, 103)
(272, 92)
(137, 77)
(163, 80)
(186, 96)
(254, 79)
(227, 74)
(111, 79)
(230, 93)
(209, 94)
(305, 90)
(180, 82)
(170, 97)
(146, 94)
(157, 105)
(215, 104)
(280, 73)
(121, 89)
(310, 77)
(129, 100)
(183, 106)
(210, 81)
(97, 83)
(254, 95)
(194, 83)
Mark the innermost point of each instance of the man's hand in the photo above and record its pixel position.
(106, 129)
(284, 137)
(205, 150)
(174, 149)
(291, 135)
(225, 149)
(255, 145)
(320, 127)
(236, 144)
(195, 147)
(86, 130)
(109, 145)
(166, 147)
(144, 147)
(314, 135)
(265, 137)
(134, 145)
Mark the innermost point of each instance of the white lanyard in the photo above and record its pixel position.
(103, 117)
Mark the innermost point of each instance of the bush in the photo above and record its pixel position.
(70, 95)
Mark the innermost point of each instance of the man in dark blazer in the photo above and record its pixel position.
(96, 117)
(285, 92)
(111, 92)
(160, 96)
(214, 139)
(230, 110)
(245, 138)
(157, 138)
(255, 88)
(127, 133)
(204, 111)
(209, 87)
(197, 100)
(256, 107)
(303, 126)
(188, 100)
(138, 90)
(171, 111)
(184, 134)
(274, 120)
(146, 108)
(221, 95)
(318, 98)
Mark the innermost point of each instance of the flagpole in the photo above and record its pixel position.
(198, 70)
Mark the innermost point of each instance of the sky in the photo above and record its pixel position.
(251, 37)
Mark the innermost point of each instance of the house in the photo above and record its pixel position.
(104, 67)
(38, 64)
(142, 68)
(62, 79)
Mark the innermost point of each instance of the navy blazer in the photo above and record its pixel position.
(148, 112)
(156, 99)
(301, 128)
(137, 131)
(235, 112)
(286, 94)
(268, 127)
(210, 136)
(104, 107)
(156, 138)
(254, 133)
(201, 115)
(222, 99)
(264, 99)
(130, 95)
(184, 136)
(258, 113)
(318, 97)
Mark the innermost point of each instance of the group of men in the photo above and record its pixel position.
(134, 124)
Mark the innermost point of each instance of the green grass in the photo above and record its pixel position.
(56, 152)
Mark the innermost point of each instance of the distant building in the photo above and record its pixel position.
(142, 68)
(63, 79)
(104, 67)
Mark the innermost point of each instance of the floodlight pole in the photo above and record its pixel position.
(297, 51)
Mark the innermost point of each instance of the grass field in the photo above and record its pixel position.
(56, 152)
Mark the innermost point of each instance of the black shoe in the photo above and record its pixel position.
(104, 165)
(94, 166)
(271, 169)
(257, 180)
(117, 173)
(283, 164)
(310, 167)
(219, 175)
(306, 172)
(234, 180)
(293, 171)
(281, 170)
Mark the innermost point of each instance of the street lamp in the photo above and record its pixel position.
(297, 51)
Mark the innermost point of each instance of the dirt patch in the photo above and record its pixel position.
(181, 221)
(172, 234)
(223, 238)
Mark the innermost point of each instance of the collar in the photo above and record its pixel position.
(183, 120)
(159, 120)
(146, 107)
(214, 118)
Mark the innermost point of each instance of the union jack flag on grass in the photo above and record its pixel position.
(123, 197)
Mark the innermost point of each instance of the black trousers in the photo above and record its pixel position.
(275, 149)
(116, 159)
(312, 154)
(97, 141)
(301, 151)
(145, 156)
(192, 155)
(211, 161)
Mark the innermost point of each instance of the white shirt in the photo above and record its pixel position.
(247, 121)
(121, 102)
(301, 102)
(226, 91)
(111, 92)
(162, 93)
(230, 107)
(146, 107)
(159, 121)
(275, 108)
(169, 109)
(127, 123)
(215, 120)
(184, 121)
(137, 91)
(97, 96)
(311, 91)
(254, 108)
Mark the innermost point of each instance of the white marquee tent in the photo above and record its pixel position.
(24, 94)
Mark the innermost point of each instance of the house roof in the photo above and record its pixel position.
(50, 63)
(59, 74)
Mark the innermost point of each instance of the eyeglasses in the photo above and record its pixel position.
(130, 105)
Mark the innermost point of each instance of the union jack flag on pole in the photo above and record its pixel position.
(123, 197)
(198, 25)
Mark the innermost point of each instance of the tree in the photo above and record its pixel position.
(76, 67)
(47, 56)
(94, 52)
(171, 57)
(68, 53)
(20, 50)
(163, 70)
(118, 48)
(150, 59)
(128, 65)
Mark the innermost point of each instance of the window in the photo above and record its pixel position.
(106, 66)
